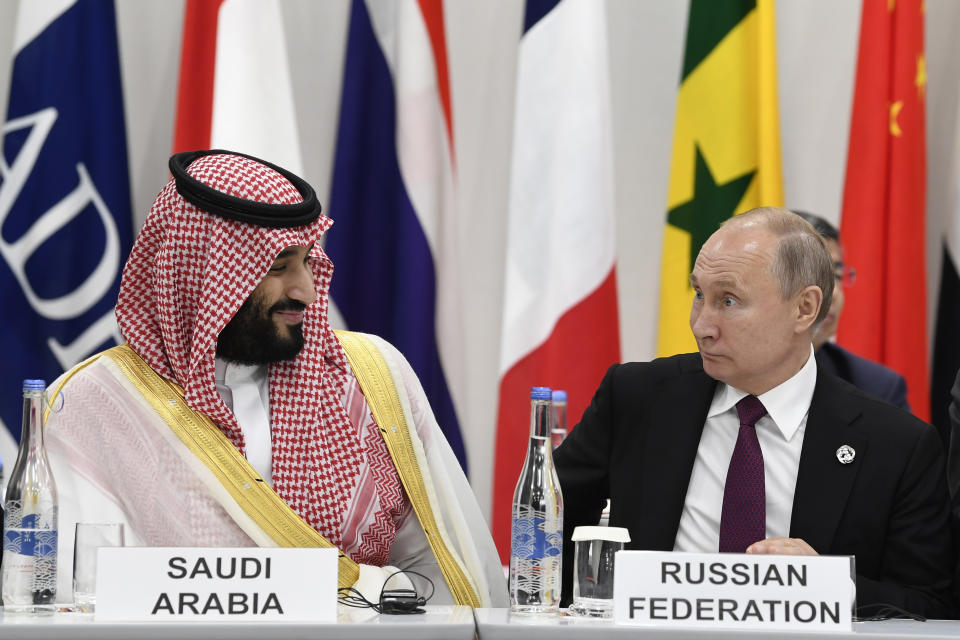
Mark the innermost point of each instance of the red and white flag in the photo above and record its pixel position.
(235, 91)
(560, 325)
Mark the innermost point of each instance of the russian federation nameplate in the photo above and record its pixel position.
(733, 591)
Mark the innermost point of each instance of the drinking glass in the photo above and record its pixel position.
(89, 538)
(593, 559)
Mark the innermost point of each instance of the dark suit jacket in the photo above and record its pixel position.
(953, 456)
(638, 439)
(866, 375)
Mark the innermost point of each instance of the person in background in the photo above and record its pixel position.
(749, 446)
(235, 416)
(870, 376)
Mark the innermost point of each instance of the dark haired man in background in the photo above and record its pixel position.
(870, 376)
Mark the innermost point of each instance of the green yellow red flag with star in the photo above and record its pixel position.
(726, 144)
(883, 223)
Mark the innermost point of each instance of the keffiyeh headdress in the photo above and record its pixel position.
(202, 251)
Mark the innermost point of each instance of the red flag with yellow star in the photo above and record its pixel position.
(883, 225)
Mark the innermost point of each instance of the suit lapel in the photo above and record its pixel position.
(673, 436)
(823, 483)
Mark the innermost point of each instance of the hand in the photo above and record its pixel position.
(782, 547)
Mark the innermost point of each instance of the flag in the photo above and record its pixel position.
(884, 198)
(232, 95)
(65, 212)
(560, 319)
(726, 144)
(393, 243)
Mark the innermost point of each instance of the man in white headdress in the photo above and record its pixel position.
(234, 415)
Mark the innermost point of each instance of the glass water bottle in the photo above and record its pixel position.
(29, 572)
(536, 540)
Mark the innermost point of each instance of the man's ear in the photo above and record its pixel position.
(808, 307)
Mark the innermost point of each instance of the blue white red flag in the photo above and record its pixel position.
(392, 199)
(560, 323)
(65, 212)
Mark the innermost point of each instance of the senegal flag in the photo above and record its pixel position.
(726, 144)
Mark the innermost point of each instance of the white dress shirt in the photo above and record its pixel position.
(246, 390)
(780, 433)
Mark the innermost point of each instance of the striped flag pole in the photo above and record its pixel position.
(560, 324)
(64, 197)
(392, 199)
(726, 144)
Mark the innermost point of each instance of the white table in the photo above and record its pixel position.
(500, 624)
(439, 622)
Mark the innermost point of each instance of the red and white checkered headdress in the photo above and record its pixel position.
(186, 277)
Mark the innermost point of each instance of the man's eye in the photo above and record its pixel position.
(278, 268)
(697, 294)
(729, 302)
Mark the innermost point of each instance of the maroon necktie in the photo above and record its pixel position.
(743, 520)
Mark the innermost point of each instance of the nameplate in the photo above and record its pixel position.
(733, 591)
(176, 583)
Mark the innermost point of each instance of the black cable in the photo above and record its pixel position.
(391, 601)
(350, 597)
(404, 601)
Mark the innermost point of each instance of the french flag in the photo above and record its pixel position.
(393, 244)
(560, 324)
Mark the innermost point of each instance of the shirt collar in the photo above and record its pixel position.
(230, 373)
(787, 403)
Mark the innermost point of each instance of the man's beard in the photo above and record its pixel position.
(252, 336)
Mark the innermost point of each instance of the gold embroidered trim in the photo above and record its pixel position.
(375, 380)
(56, 392)
(205, 440)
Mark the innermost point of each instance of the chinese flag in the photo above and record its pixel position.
(884, 201)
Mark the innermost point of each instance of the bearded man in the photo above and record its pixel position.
(235, 416)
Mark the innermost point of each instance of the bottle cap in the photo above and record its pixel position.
(613, 534)
(34, 385)
(559, 395)
(540, 393)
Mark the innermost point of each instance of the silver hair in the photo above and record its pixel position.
(802, 258)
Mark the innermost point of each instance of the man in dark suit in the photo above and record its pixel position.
(676, 444)
(870, 376)
(953, 451)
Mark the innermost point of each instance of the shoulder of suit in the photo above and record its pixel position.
(877, 416)
(862, 367)
(661, 368)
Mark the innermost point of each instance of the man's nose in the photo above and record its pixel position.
(301, 286)
(703, 323)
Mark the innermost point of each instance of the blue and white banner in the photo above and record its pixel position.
(65, 212)
(393, 244)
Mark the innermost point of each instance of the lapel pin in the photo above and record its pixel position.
(846, 454)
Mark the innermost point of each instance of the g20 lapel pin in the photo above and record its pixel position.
(846, 454)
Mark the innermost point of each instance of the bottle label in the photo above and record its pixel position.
(29, 550)
(534, 535)
(535, 556)
(27, 541)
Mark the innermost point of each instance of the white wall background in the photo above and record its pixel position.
(817, 42)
